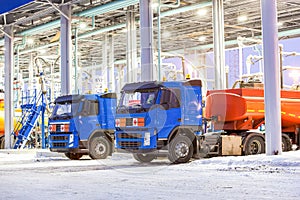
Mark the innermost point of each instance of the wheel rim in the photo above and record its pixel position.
(100, 148)
(255, 147)
(181, 149)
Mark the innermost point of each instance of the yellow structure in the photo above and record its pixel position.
(2, 125)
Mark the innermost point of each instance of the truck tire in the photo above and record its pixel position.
(99, 147)
(180, 149)
(73, 156)
(143, 158)
(254, 145)
(286, 143)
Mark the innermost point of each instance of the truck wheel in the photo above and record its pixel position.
(286, 143)
(180, 149)
(99, 148)
(254, 145)
(144, 158)
(74, 156)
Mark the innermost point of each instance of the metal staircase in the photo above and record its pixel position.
(31, 110)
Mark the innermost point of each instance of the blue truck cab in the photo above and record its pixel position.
(83, 125)
(160, 119)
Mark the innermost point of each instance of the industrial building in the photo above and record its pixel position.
(95, 46)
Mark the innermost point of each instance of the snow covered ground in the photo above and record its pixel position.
(44, 175)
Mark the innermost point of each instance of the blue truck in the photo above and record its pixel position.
(156, 119)
(83, 125)
(160, 119)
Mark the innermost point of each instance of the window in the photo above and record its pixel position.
(171, 97)
(90, 108)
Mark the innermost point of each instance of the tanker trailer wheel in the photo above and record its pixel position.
(286, 143)
(254, 145)
(99, 147)
(180, 149)
(144, 158)
(73, 156)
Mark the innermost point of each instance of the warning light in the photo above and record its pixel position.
(188, 76)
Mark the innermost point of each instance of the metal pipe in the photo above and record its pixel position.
(108, 7)
(280, 65)
(235, 42)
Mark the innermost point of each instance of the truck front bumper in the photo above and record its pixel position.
(136, 140)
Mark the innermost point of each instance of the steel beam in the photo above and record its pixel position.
(111, 66)
(104, 68)
(219, 48)
(146, 29)
(66, 49)
(271, 77)
(131, 49)
(8, 88)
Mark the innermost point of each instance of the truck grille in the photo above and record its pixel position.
(59, 140)
(129, 140)
(60, 137)
(130, 136)
(59, 144)
(129, 144)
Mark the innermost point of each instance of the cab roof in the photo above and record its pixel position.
(156, 84)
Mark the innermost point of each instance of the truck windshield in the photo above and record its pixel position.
(65, 110)
(137, 101)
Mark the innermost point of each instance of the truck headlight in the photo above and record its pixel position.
(65, 128)
(147, 139)
(52, 127)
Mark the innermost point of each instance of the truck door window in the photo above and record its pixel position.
(90, 108)
(170, 97)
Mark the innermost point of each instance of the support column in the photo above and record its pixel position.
(219, 48)
(76, 60)
(146, 26)
(271, 77)
(31, 76)
(131, 54)
(105, 69)
(8, 89)
(111, 66)
(65, 42)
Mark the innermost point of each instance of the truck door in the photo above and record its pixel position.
(170, 104)
(88, 119)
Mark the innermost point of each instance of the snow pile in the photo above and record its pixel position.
(287, 162)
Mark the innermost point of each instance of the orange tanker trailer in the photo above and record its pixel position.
(240, 112)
